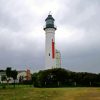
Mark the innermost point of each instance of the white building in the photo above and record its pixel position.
(2, 73)
(49, 29)
(24, 75)
(50, 51)
(58, 59)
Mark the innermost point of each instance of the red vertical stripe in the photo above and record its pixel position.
(53, 49)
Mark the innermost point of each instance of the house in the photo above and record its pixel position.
(24, 75)
(2, 73)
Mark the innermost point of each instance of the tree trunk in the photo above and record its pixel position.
(14, 83)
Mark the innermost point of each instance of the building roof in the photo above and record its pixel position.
(49, 17)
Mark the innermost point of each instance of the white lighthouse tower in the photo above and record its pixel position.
(50, 60)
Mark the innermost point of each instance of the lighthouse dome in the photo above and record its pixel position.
(49, 22)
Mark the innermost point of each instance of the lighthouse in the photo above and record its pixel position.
(50, 52)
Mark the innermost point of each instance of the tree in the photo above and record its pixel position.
(34, 79)
(51, 78)
(8, 73)
(3, 78)
(14, 75)
(62, 77)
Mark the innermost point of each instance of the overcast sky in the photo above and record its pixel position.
(22, 38)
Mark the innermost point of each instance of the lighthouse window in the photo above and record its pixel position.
(49, 21)
(49, 54)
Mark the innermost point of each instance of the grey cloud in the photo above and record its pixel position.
(82, 55)
(15, 16)
(17, 22)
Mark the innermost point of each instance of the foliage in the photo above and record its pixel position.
(8, 71)
(59, 77)
(11, 73)
(14, 75)
(3, 78)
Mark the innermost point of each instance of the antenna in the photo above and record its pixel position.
(49, 12)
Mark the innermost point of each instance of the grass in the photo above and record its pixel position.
(29, 93)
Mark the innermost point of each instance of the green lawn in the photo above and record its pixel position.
(29, 93)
